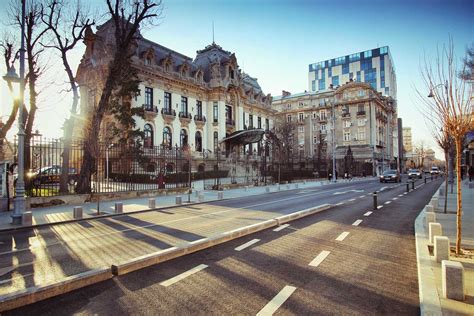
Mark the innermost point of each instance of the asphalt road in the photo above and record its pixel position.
(371, 269)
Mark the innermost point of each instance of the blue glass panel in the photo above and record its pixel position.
(335, 80)
(345, 69)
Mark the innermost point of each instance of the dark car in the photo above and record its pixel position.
(50, 174)
(390, 175)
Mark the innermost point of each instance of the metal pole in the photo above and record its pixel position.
(20, 201)
(333, 143)
(107, 165)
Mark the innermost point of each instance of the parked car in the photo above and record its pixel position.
(50, 174)
(434, 171)
(415, 173)
(390, 175)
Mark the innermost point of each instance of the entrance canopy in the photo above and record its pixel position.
(244, 137)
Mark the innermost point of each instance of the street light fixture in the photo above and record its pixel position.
(11, 77)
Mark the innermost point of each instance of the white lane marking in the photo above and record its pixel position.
(400, 195)
(368, 213)
(281, 227)
(247, 244)
(388, 202)
(379, 207)
(340, 203)
(362, 196)
(342, 236)
(277, 301)
(357, 222)
(351, 200)
(395, 198)
(405, 193)
(183, 275)
(319, 258)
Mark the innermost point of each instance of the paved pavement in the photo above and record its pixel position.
(431, 299)
(350, 259)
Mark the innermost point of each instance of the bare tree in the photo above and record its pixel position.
(420, 150)
(121, 81)
(467, 72)
(450, 110)
(67, 24)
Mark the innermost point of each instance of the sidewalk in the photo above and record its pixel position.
(63, 213)
(432, 301)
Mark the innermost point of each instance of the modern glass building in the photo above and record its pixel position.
(373, 66)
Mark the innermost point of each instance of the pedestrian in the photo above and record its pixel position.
(471, 173)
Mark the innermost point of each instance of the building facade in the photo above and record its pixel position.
(407, 141)
(364, 121)
(193, 102)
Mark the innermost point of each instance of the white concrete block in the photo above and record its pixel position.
(429, 208)
(196, 193)
(267, 189)
(152, 203)
(278, 188)
(27, 218)
(441, 248)
(434, 202)
(179, 200)
(435, 229)
(430, 217)
(118, 207)
(77, 212)
(201, 197)
(296, 186)
(220, 195)
(246, 188)
(452, 279)
(287, 186)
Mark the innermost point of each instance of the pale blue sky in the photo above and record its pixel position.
(275, 41)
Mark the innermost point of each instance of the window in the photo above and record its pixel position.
(267, 124)
(360, 108)
(322, 84)
(288, 118)
(148, 136)
(148, 98)
(198, 141)
(184, 105)
(323, 127)
(335, 80)
(243, 119)
(199, 109)
(216, 141)
(313, 85)
(358, 76)
(183, 138)
(368, 54)
(215, 111)
(301, 117)
(167, 138)
(354, 57)
(361, 93)
(147, 61)
(361, 122)
(301, 129)
(168, 101)
(250, 121)
(315, 140)
(231, 73)
(288, 106)
(347, 136)
(259, 122)
(361, 134)
(340, 60)
(347, 123)
(383, 50)
(315, 115)
(228, 113)
(322, 115)
(345, 69)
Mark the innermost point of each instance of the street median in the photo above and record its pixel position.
(38, 293)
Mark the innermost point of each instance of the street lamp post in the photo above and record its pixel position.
(20, 201)
(333, 128)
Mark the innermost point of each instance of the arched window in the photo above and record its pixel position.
(198, 141)
(216, 139)
(183, 138)
(167, 137)
(148, 136)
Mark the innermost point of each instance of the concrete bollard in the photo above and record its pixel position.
(119, 207)
(179, 200)
(452, 279)
(201, 197)
(287, 186)
(278, 188)
(429, 208)
(196, 193)
(435, 229)
(267, 189)
(151, 203)
(27, 218)
(430, 217)
(296, 186)
(220, 195)
(434, 202)
(77, 212)
(408, 186)
(441, 191)
(441, 248)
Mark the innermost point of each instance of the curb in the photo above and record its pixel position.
(18, 228)
(38, 293)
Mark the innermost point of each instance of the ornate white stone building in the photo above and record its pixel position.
(195, 102)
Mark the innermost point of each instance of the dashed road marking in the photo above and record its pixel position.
(319, 258)
(379, 207)
(405, 193)
(368, 213)
(340, 203)
(277, 301)
(247, 244)
(395, 198)
(357, 222)
(342, 236)
(281, 227)
(400, 195)
(362, 196)
(388, 202)
(351, 200)
(183, 275)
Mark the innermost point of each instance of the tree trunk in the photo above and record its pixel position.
(446, 166)
(459, 195)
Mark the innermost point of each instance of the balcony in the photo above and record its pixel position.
(346, 114)
(168, 114)
(199, 120)
(150, 111)
(360, 113)
(185, 117)
(229, 123)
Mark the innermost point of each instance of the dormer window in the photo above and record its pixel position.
(167, 67)
(232, 75)
(147, 61)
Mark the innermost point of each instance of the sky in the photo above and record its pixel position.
(275, 41)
